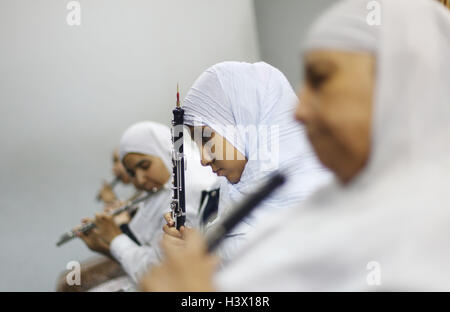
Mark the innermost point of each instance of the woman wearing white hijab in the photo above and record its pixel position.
(145, 150)
(384, 223)
(246, 113)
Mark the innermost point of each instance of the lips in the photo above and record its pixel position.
(150, 186)
(219, 172)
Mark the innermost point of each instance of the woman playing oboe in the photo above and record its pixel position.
(241, 117)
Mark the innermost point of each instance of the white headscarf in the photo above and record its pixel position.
(351, 30)
(391, 224)
(149, 138)
(259, 96)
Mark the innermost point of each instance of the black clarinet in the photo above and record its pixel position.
(178, 204)
(215, 236)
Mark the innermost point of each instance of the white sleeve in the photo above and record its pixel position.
(229, 247)
(232, 243)
(135, 259)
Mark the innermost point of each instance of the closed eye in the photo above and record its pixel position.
(318, 73)
(143, 164)
(206, 139)
(316, 79)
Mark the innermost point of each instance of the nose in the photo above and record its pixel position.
(140, 177)
(301, 112)
(206, 158)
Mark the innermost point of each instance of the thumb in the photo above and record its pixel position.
(194, 240)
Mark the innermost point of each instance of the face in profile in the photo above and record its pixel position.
(146, 171)
(118, 169)
(216, 152)
(336, 108)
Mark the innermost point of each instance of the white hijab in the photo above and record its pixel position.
(391, 224)
(151, 138)
(259, 96)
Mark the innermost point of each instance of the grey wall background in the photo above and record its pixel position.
(281, 26)
(67, 94)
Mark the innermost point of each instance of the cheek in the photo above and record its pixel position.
(310, 110)
(322, 140)
(228, 165)
(322, 129)
(158, 173)
(218, 148)
(340, 133)
(320, 123)
(152, 174)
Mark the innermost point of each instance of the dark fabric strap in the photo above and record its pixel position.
(127, 231)
(212, 204)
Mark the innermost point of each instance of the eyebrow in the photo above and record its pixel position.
(141, 162)
(206, 138)
(320, 65)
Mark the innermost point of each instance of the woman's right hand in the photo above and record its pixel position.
(186, 268)
(93, 240)
(169, 228)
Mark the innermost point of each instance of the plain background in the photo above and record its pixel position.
(68, 92)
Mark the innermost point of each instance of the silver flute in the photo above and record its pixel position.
(66, 237)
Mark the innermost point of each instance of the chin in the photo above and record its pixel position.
(324, 152)
(232, 179)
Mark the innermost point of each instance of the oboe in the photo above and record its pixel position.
(218, 233)
(89, 226)
(178, 204)
(111, 185)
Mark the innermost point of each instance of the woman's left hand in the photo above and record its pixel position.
(106, 228)
(92, 240)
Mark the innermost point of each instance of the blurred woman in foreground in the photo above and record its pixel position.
(376, 105)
